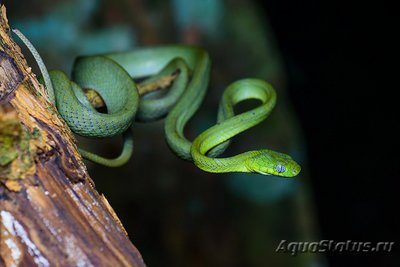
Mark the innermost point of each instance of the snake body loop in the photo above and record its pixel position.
(261, 161)
(111, 76)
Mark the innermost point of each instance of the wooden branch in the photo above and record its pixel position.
(50, 211)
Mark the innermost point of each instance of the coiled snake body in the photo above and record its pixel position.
(111, 76)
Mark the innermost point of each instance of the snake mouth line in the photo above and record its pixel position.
(263, 173)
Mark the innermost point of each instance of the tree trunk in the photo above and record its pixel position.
(50, 211)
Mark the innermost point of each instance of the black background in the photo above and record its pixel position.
(340, 58)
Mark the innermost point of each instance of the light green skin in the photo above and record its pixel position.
(260, 161)
(111, 76)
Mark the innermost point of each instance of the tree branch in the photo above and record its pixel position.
(50, 211)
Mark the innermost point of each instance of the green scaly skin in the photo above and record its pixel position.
(111, 76)
(261, 161)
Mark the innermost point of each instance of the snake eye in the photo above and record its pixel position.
(280, 168)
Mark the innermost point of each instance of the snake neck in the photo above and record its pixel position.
(236, 163)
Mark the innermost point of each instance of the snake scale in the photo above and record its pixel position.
(111, 75)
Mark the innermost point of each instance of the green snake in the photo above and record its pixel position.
(111, 75)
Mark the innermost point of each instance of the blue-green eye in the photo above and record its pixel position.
(280, 168)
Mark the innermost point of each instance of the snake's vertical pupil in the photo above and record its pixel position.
(280, 168)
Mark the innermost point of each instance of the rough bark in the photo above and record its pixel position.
(50, 211)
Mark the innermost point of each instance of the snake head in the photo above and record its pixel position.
(268, 162)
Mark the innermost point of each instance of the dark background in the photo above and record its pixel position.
(340, 59)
